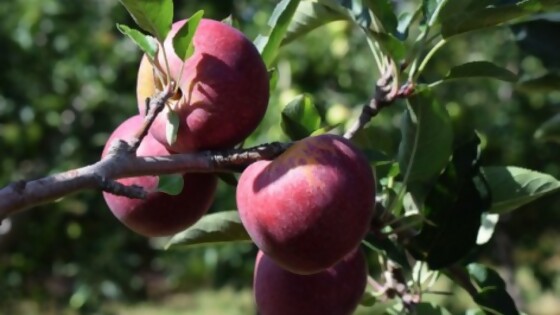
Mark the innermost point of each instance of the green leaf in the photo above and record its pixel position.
(476, 69)
(492, 295)
(228, 178)
(494, 15)
(300, 118)
(513, 187)
(182, 42)
(390, 44)
(549, 130)
(219, 227)
(487, 227)
(453, 9)
(171, 127)
(368, 299)
(153, 16)
(453, 210)
(324, 130)
(312, 14)
(231, 21)
(388, 248)
(405, 19)
(427, 308)
(269, 44)
(550, 82)
(432, 9)
(309, 16)
(385, 13)
(147, 43)
(427, 138)
(171, 184)
(357, 12)
(375, 141)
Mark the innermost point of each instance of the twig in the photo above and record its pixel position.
(386, 92)
(153, 107)
(22, 195)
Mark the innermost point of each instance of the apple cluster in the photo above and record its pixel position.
(222, 96)
(307, 210)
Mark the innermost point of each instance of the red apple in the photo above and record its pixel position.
(224, 88)
(335, 291)
(159, 214)
(311, 206)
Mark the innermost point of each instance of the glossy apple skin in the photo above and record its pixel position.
(159, 214)
(224, 85)
(311, 206)
(335, 291)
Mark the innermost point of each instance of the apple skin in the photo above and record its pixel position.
(309, 207)
(159, 214)
(224, 88)
(334, 291)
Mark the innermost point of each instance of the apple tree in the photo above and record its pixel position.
(339, 218)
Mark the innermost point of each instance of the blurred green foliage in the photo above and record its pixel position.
(68, 78)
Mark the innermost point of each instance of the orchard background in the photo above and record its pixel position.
(68, 79)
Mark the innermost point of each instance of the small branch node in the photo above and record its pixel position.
(116, 188)
(19, 186)
(118, 147)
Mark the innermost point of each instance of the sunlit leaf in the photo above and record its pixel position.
(487, 226)
(147, 43)
(269, 43)
(219, 227)
(405, 20)
(432, 9)
(385, 13)
(183, 40)
(494, 16)
(513, 187)
(171, 126)
(153, 16)
(359, 13)
(308, 16)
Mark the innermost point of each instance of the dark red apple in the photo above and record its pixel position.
(159, 214)
(335, 291)
(311, 206)
(224, 88)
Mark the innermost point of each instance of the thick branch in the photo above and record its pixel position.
(22, 195)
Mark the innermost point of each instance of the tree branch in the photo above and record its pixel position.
(386, 92)
(22, 195)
